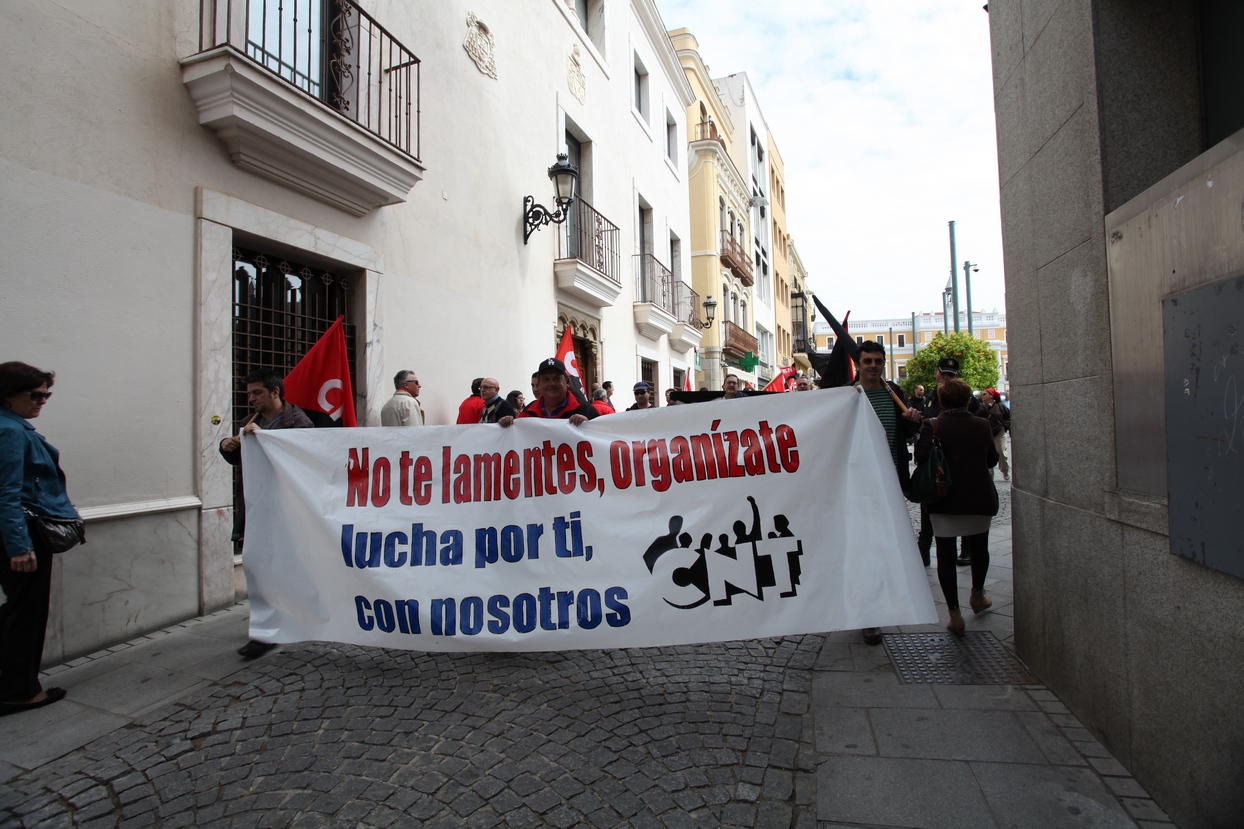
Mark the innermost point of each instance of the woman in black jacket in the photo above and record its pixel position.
(972, 501)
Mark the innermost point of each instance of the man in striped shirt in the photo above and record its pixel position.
(899, 425)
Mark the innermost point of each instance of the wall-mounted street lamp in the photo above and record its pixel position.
(564, 175)
(710, 313)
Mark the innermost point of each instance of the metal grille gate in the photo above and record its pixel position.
(280, 309)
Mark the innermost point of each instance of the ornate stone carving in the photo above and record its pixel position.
(479, 45)
(575, 78)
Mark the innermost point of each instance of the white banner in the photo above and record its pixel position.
(732, 519)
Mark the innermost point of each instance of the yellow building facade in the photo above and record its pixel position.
(721, 265)
(781, 257)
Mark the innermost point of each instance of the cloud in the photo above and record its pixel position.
(883, 115)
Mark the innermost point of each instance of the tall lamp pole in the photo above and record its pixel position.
(967, 281)
(954, 277)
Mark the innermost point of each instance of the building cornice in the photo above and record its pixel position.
(650, 20)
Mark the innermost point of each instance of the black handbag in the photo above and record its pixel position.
(54, 535)
(932, 482)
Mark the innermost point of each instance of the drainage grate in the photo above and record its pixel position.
(945, 659)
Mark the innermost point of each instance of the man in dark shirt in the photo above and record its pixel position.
(643, 395)
(495, 406)
(265, 391)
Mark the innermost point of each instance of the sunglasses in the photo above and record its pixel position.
(39, 396)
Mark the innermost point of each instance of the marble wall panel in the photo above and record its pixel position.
(1066, 188)
(1006, 35)
(133, 575)
(215, 559)
(214, 361)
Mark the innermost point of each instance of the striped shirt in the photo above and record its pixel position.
(883, 405)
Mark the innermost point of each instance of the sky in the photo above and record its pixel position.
(882, 111)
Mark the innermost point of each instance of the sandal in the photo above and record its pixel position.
(51, 695)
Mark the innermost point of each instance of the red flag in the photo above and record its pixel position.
(565, 353)
(778, 383)
(686, 386)
(321, 380)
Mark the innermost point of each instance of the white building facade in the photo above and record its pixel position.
(190, 192)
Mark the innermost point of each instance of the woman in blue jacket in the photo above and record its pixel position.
(30, 477)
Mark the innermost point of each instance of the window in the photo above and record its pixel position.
(671, 138)
(641, 89)
(881, 339)
(902, 340)
(829, 342)
(743, 314)
(859, 340)
(989, 334)
(591, 17)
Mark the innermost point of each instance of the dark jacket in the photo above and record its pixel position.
(995, 416)
(971, 456)
(496, 409)
(291, 417)
(572, 407)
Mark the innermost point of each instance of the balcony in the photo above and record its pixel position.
(687, 332)
(654, 297)
(734, 257)
(707, 131)
(587, 265)
(736, 342)
(314, 94)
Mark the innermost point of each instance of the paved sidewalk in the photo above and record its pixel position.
(174, 729)
(928, 755)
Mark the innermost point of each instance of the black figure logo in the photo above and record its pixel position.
(749, 564)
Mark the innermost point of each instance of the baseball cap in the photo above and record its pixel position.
(551, 364)
(993, 392)
(948, 365)
(641, 386)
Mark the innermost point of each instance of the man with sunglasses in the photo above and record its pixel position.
(899, 425)
(403, 409)
(643, 395)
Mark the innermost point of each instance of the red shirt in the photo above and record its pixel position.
(570, 407)
(471, 409)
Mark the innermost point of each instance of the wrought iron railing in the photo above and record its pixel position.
(653, 282)
(592, 239)
(331, 50)
(735, 258)
(736, 341)
(707, 131)
(686, 304)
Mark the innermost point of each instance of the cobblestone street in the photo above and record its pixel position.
(175, 730)
(317, 735)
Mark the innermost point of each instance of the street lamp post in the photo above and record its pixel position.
(954, 277)
(967, 281)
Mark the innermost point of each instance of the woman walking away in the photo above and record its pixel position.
(972, 501)
(30, 479)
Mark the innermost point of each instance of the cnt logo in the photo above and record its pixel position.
(752, 563)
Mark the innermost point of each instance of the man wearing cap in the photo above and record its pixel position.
(947, 369)
(643, 395)
(554, 400)
(999, 424)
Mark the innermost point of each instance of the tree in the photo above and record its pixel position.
(978, 365)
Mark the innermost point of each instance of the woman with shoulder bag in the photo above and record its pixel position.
(32, 488)
(972, 501)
